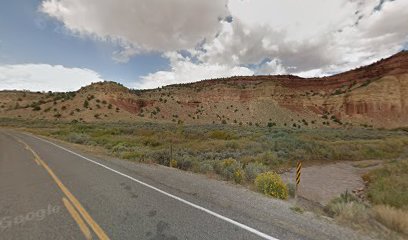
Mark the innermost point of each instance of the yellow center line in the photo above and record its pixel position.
(36, 157)
(75, 215)
(95, 227)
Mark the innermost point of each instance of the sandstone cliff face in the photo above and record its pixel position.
(375, 95)
(383, 102)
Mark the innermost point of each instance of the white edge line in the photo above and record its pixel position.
(243, 226)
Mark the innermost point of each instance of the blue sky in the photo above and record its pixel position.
(29, 36)
(64, 44)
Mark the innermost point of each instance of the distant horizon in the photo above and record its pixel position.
(202, 80)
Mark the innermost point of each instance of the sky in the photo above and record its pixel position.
(62, 45)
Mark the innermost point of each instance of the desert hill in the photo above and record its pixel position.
(372, 96)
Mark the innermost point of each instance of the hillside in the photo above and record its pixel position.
(374, 95)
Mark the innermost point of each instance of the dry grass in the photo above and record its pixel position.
(395, 219)
(348, 210)
(389, 185)
(366, 164)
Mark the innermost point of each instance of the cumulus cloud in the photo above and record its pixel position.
(146, 25)
(307, 38)
(184, 70)
(309, 35)
(271, 67)
(44, 77)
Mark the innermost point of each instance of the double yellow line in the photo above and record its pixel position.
(72, 204)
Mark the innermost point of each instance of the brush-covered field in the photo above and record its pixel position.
(234, 152)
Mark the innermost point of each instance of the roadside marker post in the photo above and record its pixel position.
(298, 174)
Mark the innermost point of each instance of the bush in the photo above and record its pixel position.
(151, 141)
(230, 166)
(221, 135)
(78, 138)
(271, 184)
(36, 108)
(389, 185)
(238, 175)
(347, 209)
(206, 167)
(162, 157)
(253, 169)
(185, 163)
(269, 158)
(230, 169)
(353, 213)
(131, 155)
(271, 124)
(393, 218)
(173, 163)
(335, 206)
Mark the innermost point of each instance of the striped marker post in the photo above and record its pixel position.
(298, 174)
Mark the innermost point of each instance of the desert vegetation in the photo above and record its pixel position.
(386, 204)
(201, 148)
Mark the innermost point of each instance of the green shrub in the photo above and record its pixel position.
(271, 184)
(230, 169)
(78, 138)
(238, 175)
(173, 163)
(253, 169)
(133, 155)
(389, 185)
(269, 158)
(221, 135)
(150, 141)
(185, 163)
(348, 210)
(206, 167)
(271, 124)
(230, 166)
(162, 157)
(336, 205)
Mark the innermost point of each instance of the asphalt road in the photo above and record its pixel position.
(49, 191)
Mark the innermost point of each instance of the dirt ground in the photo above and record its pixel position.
(321, 183)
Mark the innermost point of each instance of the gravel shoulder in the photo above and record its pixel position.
(321, 183)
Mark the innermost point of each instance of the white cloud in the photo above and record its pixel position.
(146, 25)
(309, 38)
(298, 20)
(44, 77)
(309, 35)
(183, 70)
(272, 67)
